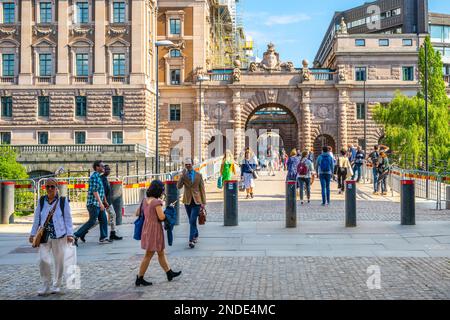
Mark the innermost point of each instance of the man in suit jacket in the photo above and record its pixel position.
(194, 198)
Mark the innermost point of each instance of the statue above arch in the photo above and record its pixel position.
(271, 62)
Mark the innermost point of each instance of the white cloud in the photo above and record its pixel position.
(287, 19)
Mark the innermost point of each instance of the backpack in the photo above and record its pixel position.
(325, 163)
(302, 168)
(62, 203)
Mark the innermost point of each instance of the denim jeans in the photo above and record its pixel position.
(342, 175)
(94, 214)
(375, 179)
(357, 171)
(304, 182)
(382, 183)
(193, 211)
(325, 180)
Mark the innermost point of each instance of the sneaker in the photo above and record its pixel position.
(302, 203)
(44, 291)
(376, 193)
(191, 245)
(105, 241)
(309, 201)
(56, 290)
(83, 239)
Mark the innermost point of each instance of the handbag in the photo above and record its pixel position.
(202, 216)
(42, 233)
(139, 224)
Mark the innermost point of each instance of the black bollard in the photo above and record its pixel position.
(230, 206)
(350, 204)
(173, 195)
(408, 203)
(7, 202)
(291, 204)
(117, 200)
(63, 188)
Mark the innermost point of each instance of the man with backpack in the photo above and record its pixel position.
(305, 169)
(373, 159)
(325, 171)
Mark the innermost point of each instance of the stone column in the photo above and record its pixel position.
(239, 134)
(138, 52)
(305, 131)
(62, 72)
(343, 132)
(100, 42)
(26, 35)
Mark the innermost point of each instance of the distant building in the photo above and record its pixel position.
(440, 37)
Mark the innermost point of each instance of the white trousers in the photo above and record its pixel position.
(55, 248)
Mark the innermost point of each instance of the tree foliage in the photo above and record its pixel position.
(9, 167)
(404, 118)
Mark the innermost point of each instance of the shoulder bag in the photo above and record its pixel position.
(139, 224)
(202, 216)
(42, 233)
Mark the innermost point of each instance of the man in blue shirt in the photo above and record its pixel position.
(325, 169)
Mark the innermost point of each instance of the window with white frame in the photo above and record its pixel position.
(175, 26)
(175, 77)
(8, 65)
(175, 112)
(117, 137)
(8, 12)
(82, 12)
(82, 64)
(45, 12)
(408, 73)
(80, 106)
(175, 53)
(45, 65)
(119, 65)
(119, 12)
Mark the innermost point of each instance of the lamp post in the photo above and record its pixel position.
(200, 79)
(162, 43)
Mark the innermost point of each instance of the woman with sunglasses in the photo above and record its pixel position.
(152, 239)
(60, 231)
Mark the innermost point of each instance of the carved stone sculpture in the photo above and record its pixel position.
(252, 67)
(342, 75)
(343, 27)
(271, 60)
(236, 75)
(306, 74)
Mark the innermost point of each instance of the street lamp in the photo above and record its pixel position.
(200, 79)
(162, 43)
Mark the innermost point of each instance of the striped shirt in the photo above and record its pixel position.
(95, 185)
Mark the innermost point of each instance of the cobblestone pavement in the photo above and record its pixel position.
(284, 278)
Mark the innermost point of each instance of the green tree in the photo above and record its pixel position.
(9, 167)
(404, 118)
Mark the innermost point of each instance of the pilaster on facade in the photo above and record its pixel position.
(62, 72)
(343, 122)
(100, 43)
(305, 133)
(239, 134)
(26, 36)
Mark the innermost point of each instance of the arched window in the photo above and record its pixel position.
(175, 53)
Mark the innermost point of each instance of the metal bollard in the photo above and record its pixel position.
(291, 204)
(117, 199)
(63, 188)
(7, 202)
(230, 206)
(408, 203)
(350, 204)
(447, 202)
(172, 195)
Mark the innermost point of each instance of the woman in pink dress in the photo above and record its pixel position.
(152, 239)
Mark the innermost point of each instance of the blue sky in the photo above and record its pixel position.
(297, 27)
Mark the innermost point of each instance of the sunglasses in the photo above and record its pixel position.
(50, 187)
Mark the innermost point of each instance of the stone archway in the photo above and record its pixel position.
(322, 141)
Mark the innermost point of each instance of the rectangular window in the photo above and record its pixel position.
(360, 111)
(82, 12)
(119, 12)
(42, 137)
(408, 73)
(119, 65)
(9, 12)
(407, 42)
(175, 76)
(8, 65)
(80, 106)
(80, 137)
(175, 112)
(5, 137)
(447, 34)
(43, 106)
(117, 102)
(383, 42)
(175, 26)
(45, 65)
(437, 33)
(82, 64)
(7, 104)
(45, 12)
(360, 42)
(360, 73)
(117, 137)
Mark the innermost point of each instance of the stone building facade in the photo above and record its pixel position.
(77, 72)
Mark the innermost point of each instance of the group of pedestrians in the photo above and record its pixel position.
(379, 161)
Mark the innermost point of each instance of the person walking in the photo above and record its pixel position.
(357, 164)
(108, 204)
(95, 207)
(305, 169)
(152, 238)
(373, 159)
(383, 172)
(325, 170)
(344, 170)
(292, 165)
(248, 166)
(227, 169)
(194, 198)
(270, 157)
(310, 155)
(60, 230)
